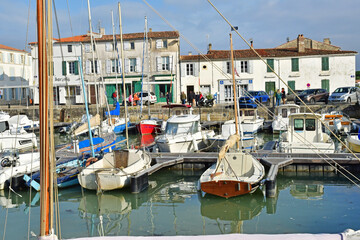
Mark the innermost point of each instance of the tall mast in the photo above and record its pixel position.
(43, 116)
(148, 62)
(123, 77)
(234, 90)
(92, 67)
(116, 61)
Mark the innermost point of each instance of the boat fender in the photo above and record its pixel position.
(90, 161)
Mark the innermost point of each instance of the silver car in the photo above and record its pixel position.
(345, 94)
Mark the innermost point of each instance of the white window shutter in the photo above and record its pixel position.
(159, 43)
(127, 65)
(196, 69)
(171, 62)
(4, 58)
(98, 66)
(158, 64)
(126, 45)
(108, 47)
(183, 69)
(108, 66)
(250, 66)
(224, 66)
(120, 66)
(138, 65)
(88, 67)
(87, 48)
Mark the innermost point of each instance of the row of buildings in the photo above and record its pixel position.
(301, 63)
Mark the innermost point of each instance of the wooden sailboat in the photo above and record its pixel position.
(236, 173)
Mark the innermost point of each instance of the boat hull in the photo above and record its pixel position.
(353, 143)
(227, 188)
(148, 128)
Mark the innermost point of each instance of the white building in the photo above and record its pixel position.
(302, 63)
(15, 75)
(163, 54)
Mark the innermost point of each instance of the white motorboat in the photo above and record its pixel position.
(249, 142)
(281, 120)
(337, 122)
(114, 170)
(15, 137)
(250, 121)
(17, 165)
(353, 142)
(22, 121)
(305, 135)
(234, 174)
(183, 134)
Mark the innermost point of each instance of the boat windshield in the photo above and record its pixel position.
(181, 128)
(4, 126)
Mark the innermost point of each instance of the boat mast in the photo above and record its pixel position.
(148, 62)
(234, 90)
(43, 116)
(123, 77)
(117, 62)
(92, 65)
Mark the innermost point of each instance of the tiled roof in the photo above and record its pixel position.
(266, 53)
(10, 48)
(128, 36)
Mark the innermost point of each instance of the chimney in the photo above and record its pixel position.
(301, 43)
(252, 43)
(102, 31)
(190, 53)
(209, 47)
(150, 29)
(327, 41)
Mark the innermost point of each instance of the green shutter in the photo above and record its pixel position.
(76, 66)
(137, 86)
(325, 84)
(64, 68)
(294, 64)
(325, 63)
(291, 85)
(269, 86)
(270, 62)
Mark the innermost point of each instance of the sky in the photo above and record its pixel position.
(267, 22)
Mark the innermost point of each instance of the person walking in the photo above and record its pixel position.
(183, 97)
(283, 95)
(136, 99)
(277, 97)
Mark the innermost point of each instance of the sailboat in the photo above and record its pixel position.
(235, 173)
(151, 125)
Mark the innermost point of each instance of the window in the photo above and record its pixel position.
(228, 67)
(78, 90)
(92, 66)
(165, 43)
(325, 63)
(165, 63)
(1, 57)
(11, 58)
(244, 66)
(13, 93)
(310, 124)
(22, 59)
(132, 45)
(189, 69)
(292, 110)
(69, 48)
(270, 62)
(284, 113)
(71, 67)
(24, 92)
(294, 64)
(2, 74)
(298, 124)
(114, 66)
(132, 65)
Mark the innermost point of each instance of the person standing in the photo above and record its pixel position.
(191, 97)
(277, 97)
(130, 100)
(167, 98)
(114, 96)
(183, 97)
(197, 98)
(136, 99)
(283, 95)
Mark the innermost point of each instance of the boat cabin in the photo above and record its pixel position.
(183, 124)
(177, 109)
(285, 110)
(306, 126)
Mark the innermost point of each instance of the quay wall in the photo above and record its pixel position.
(70, 113)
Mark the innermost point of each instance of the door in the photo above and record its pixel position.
(270, 88)
(325, 84)
(188, 90)
(110, 89)
(92, 94)
(291, 85)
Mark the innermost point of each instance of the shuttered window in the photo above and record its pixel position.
(294, 64)
(291, 85)
(325, 63)
(270, 62)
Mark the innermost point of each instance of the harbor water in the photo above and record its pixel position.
(305, 203)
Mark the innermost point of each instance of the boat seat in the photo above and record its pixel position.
(121, 159)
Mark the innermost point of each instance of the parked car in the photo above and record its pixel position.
(145, 98)
(255, 97)
(313, 95)
(291, 97)
(345, 94)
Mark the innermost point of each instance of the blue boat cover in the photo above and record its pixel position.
(115, 112)
(86, 143)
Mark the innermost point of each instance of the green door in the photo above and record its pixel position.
(110, 89)
(270, 86)
(137, 86)
(291, 85)
(325, 84)
(160, 92)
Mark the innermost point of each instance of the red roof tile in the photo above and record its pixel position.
(270, 52)
(10, 48)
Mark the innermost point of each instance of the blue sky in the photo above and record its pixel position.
(268, 22)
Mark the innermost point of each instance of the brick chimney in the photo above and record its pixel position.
(150, 29)
(209, 47)
(190, 53)
(102, 31)
(301, 43)
(327, 41)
